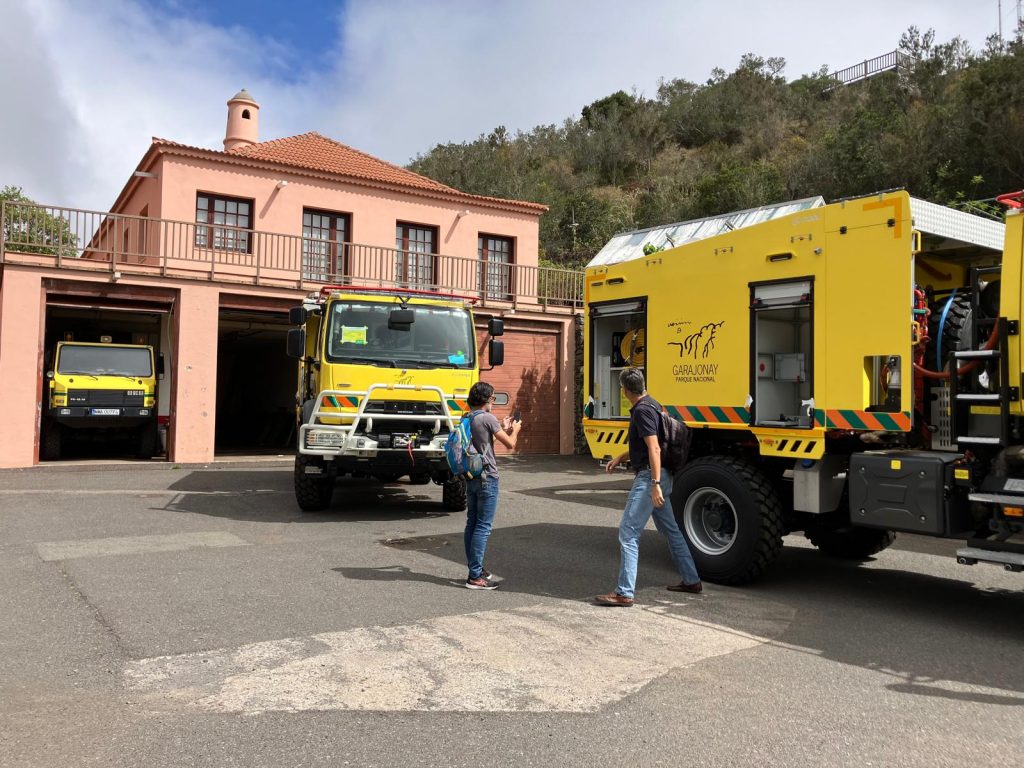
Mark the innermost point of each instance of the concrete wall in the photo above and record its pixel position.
(22, 308)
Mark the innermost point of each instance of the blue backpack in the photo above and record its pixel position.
(463, 457)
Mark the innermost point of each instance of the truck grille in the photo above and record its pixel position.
(101, 397)
(404, 407)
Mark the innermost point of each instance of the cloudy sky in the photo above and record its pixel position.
(85, 84)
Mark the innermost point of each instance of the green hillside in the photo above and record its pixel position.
(949, 128)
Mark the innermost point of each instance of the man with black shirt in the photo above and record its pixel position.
(647, 496)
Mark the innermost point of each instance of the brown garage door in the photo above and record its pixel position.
(530, 377)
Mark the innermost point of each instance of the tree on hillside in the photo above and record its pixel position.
(948, 125)
(28, 228)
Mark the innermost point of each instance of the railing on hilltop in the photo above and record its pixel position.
(122, 244)
(893, 60)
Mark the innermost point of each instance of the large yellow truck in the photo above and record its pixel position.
(100, 390)
(847, 370)
(383, 379)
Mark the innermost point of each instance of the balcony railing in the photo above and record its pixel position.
(117, 243)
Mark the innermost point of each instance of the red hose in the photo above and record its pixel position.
(993, 337)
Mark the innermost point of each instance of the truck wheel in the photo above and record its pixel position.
(955, 333)
(851, 543)
(453, 496)
(52, 440)
(731, 517)
(148, 440)
(313, 491)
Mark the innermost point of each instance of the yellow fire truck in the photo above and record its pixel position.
(98, 390)
(847, 370)
(383, 378)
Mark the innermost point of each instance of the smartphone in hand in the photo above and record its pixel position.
(517, 416)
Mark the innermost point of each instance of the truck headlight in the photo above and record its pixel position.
(323, 438)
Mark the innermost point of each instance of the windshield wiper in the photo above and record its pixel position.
(79, 373)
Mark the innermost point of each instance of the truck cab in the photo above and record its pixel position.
(383, 379)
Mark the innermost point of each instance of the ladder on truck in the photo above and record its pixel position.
(990, 337)
(989, 345)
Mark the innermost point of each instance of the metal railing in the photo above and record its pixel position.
(884, 63)
(125, 244)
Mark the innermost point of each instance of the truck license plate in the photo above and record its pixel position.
(105, 411)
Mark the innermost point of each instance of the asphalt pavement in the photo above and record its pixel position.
(159, 615)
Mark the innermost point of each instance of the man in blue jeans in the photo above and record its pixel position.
(482, 492)
(647, 496)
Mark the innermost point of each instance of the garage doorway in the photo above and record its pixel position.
(104, 421)
(256, 383)
(530, 379)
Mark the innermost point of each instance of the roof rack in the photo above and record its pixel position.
(328, 289)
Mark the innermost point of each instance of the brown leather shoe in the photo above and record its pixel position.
(694, 589)
(614, 598)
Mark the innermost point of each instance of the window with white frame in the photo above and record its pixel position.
(324, 239)
(416, 256)
(231, 220)
(496, 260)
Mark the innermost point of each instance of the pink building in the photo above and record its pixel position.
(204, 251)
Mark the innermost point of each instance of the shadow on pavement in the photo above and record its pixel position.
(878, 619)
(267, 496)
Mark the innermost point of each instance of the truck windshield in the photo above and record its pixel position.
(105, 361)
(440, 337)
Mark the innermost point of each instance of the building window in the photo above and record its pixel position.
(496, 259)
(324, 250)
(232, 221)
(416, 257)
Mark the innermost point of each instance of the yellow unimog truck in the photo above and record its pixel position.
(383, 378)
(98, 391)
(848, 370)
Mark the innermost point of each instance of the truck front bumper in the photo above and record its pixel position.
(101, 416)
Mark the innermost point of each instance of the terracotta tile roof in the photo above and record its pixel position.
(316, 152)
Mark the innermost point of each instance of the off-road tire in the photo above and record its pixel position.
(51, 442)
(956, 332)
(851, 543)
(149, 438)
(453, 494)
(757, 540)
(313, 492)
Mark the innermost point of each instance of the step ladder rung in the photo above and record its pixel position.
(978, 440)
(974, 354)
(997, 498)
(1011, 561)
(977, 398)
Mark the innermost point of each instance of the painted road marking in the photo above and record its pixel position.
(561, 657)
(128, 545)
(132, 491)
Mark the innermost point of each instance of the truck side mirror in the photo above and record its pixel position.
(496, 327)
(160, 366)
(401, 319)
(297, 315)
(496, 352)
(297, 342)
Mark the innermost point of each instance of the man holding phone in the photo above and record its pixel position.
(482, 492)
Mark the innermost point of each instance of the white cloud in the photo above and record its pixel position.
(85, 86)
